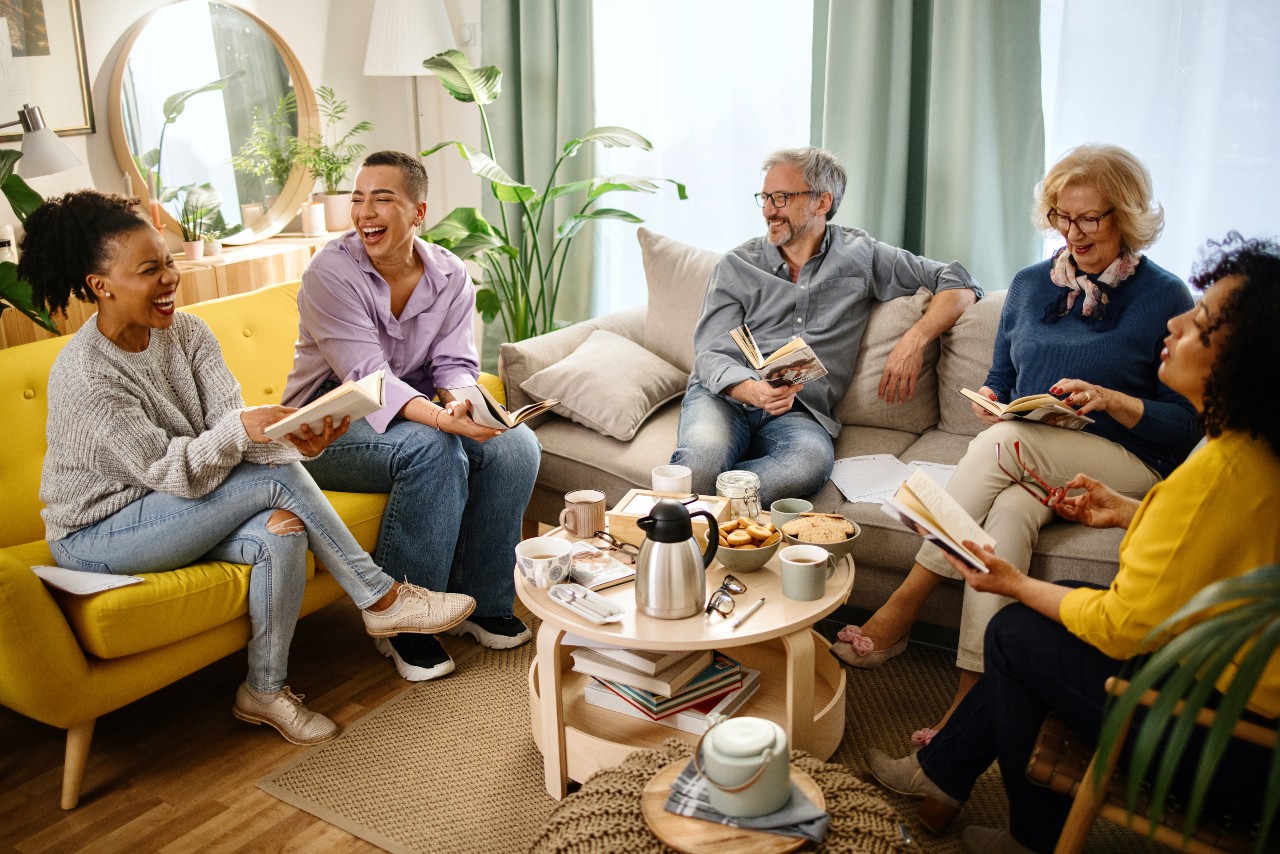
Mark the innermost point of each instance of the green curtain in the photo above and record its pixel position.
(543, 48)
(934, 109)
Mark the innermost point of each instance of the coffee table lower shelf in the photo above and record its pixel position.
(598, 738)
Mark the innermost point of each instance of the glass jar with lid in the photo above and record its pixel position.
(742, 488)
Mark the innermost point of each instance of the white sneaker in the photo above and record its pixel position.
(424, 658)
(417, 609)
(285, 712)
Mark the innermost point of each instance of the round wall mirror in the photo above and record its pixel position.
(204, 102)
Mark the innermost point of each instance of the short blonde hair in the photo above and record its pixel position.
(1121, 179)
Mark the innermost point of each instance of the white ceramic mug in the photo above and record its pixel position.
(673, 479)
(805, 570)
(583, 512)
(544, 561)
(784, 510)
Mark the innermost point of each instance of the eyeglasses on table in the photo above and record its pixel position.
(722, 600)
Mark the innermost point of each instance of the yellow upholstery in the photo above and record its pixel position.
(65, 660)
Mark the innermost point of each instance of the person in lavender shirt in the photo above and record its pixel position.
(379, 298)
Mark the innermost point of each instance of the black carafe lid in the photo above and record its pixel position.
(667, 522)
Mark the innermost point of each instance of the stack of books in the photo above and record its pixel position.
(681, 692)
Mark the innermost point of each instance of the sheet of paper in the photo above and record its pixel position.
(871, 477)
(939, 473)
(82, 583)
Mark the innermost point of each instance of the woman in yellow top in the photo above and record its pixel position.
(1213, 518)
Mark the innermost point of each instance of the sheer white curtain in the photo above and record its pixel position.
(1191, 88)
(715, 86)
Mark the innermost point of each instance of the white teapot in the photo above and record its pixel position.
(746, 762)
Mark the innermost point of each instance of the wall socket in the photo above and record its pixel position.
(468, 34)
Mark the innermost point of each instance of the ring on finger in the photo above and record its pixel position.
(1087, 397)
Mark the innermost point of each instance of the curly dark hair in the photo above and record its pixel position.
(1236, 395)
(68, 238)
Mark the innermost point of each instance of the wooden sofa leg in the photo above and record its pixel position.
(528, 528)
(79, 737)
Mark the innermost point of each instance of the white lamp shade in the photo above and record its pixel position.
(44, 154)
(403, 34)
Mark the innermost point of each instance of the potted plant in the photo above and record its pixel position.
(14, 292)
(194, 211)
(271, 149)
(1233, 623)
(328, 157)
(522, 276)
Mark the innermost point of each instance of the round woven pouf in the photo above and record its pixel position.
(605, 816)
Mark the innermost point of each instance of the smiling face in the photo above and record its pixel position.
(1191, 347)
(136, 289)
(1094, 252)
(803, 215)
(384, 214)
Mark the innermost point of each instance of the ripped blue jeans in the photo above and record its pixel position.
(161, 532)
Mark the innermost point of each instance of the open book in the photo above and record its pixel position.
(486, 411)
(924, 506)
(791, 364)
(354, 398)
(1044, 408)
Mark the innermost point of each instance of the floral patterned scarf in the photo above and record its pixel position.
(1098, 309)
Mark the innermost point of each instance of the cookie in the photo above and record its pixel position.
(819, 528)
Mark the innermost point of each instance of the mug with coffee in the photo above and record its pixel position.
(805, 570)
(544, 561)
(583, 512)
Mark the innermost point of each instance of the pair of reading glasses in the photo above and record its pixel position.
(780, 199)
(721, 600)
(622, 552)
(1053, 494)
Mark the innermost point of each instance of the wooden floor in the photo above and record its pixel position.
(175, 771)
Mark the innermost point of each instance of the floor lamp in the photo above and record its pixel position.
(402, 35)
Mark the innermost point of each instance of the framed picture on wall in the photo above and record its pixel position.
(42, 63)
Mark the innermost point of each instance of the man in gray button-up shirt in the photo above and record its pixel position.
(804, 278)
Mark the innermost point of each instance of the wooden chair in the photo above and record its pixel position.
(1064, 762)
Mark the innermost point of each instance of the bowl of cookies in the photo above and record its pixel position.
(746, 545)
(832, 531)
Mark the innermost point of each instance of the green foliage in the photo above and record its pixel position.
(271, 148)
(198, 211)
(327, 156)
(522, 276)
(1234, 623)
(149, 163)
(15, 292)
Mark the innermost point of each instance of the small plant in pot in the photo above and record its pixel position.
(194, 210)
(328, 157)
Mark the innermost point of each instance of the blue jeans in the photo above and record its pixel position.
(1035, 666)
(453, 519)
(791, 453)
(160, 532)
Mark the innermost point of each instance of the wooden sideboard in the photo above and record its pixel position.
(235, 270)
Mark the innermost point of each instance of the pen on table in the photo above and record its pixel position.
(749, 612)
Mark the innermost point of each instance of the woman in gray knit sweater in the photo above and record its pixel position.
(155, 462)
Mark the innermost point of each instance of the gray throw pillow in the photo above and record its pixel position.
(677, 275)
(610, 384)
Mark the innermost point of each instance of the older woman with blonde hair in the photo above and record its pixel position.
(1085, 325)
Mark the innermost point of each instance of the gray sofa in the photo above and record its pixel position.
(620, 376)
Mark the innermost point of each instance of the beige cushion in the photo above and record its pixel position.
(965, 363)
(861, 404)
(677, 275)
(610, 384)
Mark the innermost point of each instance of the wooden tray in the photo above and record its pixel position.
(690, 835)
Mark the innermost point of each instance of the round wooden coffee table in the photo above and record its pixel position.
(800, 689)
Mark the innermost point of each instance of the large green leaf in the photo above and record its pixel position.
(21, 197)
(488, 303)
(573, 224)
(177, 102)
(632, 183)
(17, 293)
(463, 80)
(484, 166)
(458, 224)
(610, 137)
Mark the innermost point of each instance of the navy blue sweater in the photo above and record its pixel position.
(1031, 355)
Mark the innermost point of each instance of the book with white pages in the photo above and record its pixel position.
(923, 506)
(488, 412)
(693, 719)
(644, 660)
(82, 583)
(873, 478)
(353, 399)
(666, 682)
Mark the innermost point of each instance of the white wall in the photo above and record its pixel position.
(329, 40)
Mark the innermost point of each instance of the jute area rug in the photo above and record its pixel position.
(450, 766)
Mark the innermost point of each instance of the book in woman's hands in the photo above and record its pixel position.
(486, 411)
(924, 506)
(794, 363)
(1044, 408)
(354, 399)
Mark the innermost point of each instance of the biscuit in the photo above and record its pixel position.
(819, 528)
(738, 538)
